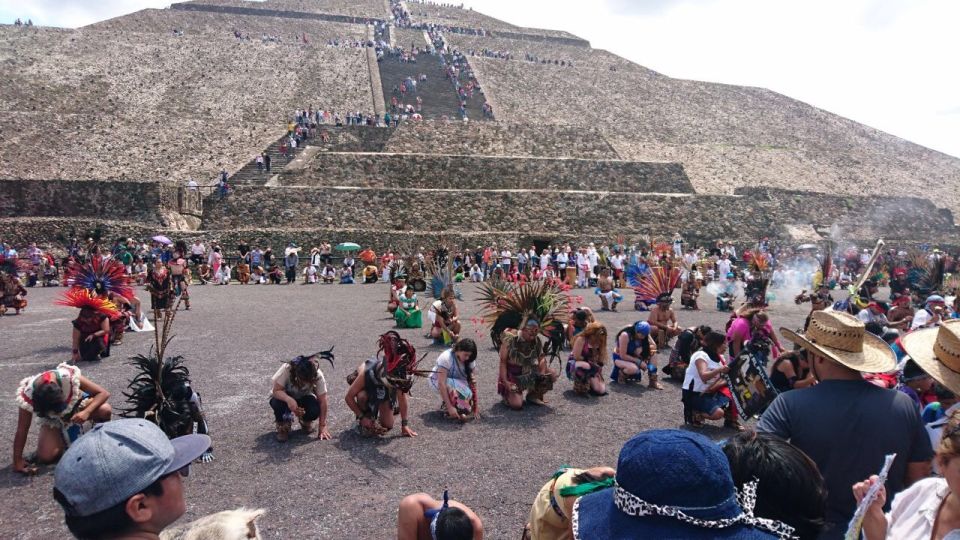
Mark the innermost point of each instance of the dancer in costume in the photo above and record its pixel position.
(649, 283)
(161, 392)
(454, 379)
(180, 282)
(66, 403)
(635, 353)
(421, 517)
(396, 292)
(663, 321)
(515, 315)
(106, 279)
(609, 297)
(12, 294)
(160, 285)
(446, 318)
(300, 390)
(585, 365)
(408, 314)
(91, 328)
(379, 387)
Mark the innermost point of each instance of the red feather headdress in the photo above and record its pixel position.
(81, 298)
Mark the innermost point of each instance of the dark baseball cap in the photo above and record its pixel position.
(118, 459)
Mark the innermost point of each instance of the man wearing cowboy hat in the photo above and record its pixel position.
(937, 352)
(845, 424)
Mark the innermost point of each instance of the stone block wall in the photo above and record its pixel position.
(500, 139)
(123, 200)
(431, 171)
(701, 217)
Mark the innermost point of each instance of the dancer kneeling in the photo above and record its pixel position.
(702, 397)
(453, 378)
(523, 367)
(585, 365)
(63, 400)
(408, 314)
(635, 353)
(421, 517)
(300, 390)
(379, 387)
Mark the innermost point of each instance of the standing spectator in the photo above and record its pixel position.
(266, 161)
(846, 424)
(192, 185)
(291, 259)
(260, 162)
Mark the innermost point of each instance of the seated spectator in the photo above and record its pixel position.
(124, 479)
(309, 274)
(671, 484)
(421, 517)
(328, 274)
(346, 276)
(789, 489)
(223, 276)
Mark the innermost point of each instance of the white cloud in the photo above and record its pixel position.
(885, 63)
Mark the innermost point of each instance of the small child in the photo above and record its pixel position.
(223, 278)
(276, 275)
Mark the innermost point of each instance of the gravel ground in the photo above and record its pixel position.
(235, 337)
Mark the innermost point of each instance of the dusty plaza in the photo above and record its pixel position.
(234, 337)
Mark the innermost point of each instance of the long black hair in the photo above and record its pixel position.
(469, 346)
(713, 340)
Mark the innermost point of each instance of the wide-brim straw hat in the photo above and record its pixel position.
(843, 338)
(937, 352)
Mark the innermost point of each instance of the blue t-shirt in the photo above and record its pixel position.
(847, 427)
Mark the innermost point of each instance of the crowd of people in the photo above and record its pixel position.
(866, 377)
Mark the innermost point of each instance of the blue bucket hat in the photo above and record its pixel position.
(672, 484)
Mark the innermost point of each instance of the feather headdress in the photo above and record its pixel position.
(101, 275)
(658, 280)
(543, 301)
(398, 361)
(925, 275)
(81, 298)
(826, 265)
(440, 267)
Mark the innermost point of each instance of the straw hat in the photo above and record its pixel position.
(841, 337)
(937, 351)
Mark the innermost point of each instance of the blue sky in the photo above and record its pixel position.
(885, 63)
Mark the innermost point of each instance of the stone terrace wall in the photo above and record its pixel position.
(240, 7)
(374, 9)
(467, 18)
(432, 171)
(704, 216)
(133, 105)
(580, 56)
(126, 200)
(501, 139)
(163, 21)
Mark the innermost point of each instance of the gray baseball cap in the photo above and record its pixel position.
(118, 459)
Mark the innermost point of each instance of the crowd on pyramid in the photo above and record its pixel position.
(857, 410)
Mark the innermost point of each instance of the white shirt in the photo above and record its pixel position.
(723, 267)
(692, 375)
(505, 257)
(616, 261)
(544, 261)
(914, 511)
(920, 319)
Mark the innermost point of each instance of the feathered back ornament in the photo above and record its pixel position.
(656, 281)
(399, 361)
(160, 390)
(101, 275)
(81, 298)
(925, 275)
(544, 301)
(440, 267)
(635, 273)
(13, 266)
